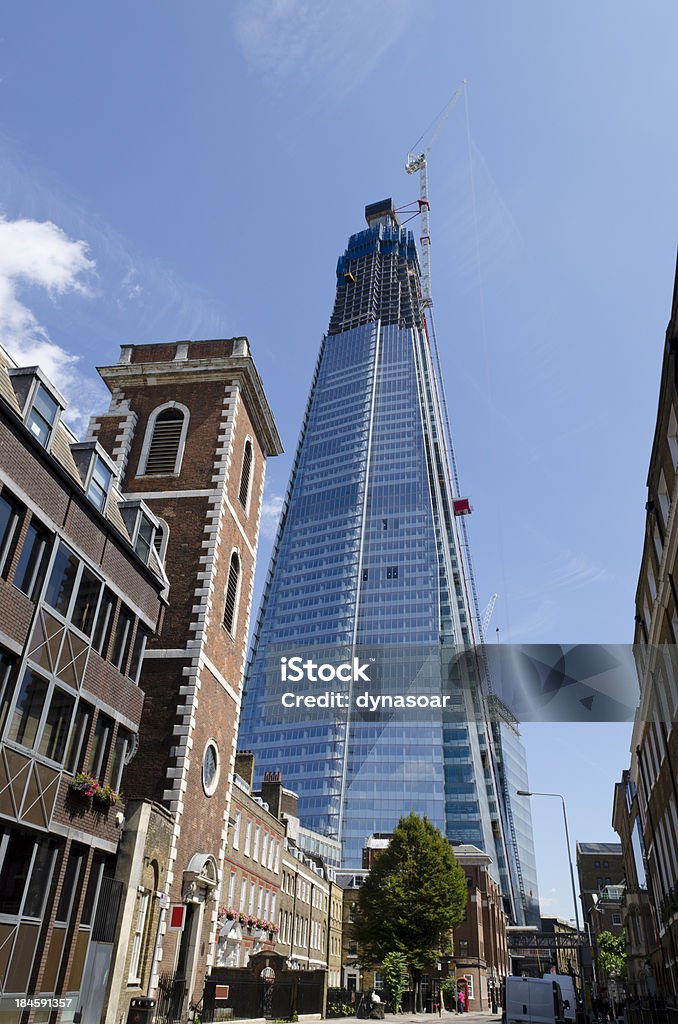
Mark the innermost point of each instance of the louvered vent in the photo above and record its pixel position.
(231, 593)
(246, 473)
(164, 448)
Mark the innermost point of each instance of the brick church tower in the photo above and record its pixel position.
(190, 430)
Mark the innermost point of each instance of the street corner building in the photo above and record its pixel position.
(190, 430)
(81, 590)
(370, 556)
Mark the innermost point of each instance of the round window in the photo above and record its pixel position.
(210, 767)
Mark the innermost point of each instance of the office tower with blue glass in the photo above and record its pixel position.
(367, 565)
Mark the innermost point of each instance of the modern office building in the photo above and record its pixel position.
(516, 816)
(367, 569)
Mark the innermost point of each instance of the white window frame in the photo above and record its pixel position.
(148, 436)
(233, 631)
(134, 977)
(257, 839)
(248, 838)
(236, 830)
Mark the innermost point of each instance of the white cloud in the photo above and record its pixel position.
(573, 570)
(338, 45)
(270, 514)
(36, 254)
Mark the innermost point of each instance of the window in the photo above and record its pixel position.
(245, 475)
(32, 565)
(243, 895)
(144, 537)
(78, 741)
(469, 981)
(616, 919)
(264, 849)
(253, 891)
(28, 711)
(25, 873)
(161, 539)
(231, 888)
(121, 749)
(70, 882)
(165, 442)
(391, 572)
(257, 837)
(104, 624)
(91, 892)
(366, 574)
(248, 837)
(10, 517)
(101, 746)
(42, 415)
(210, 768)
(7, 664)
(73, 590)
(57, 725)
(123, 638)
(232, 587)
(138, 937)
(138, 648)
(99, 483)
(236, 831)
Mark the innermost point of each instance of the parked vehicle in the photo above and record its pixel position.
(568, 993)
(532, 1001)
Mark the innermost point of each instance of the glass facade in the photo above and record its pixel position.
(367, 563)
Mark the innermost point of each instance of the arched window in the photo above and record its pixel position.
(161, 539)
(231, 604)
(164, 442)
(245, 474)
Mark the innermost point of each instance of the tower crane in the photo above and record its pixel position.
(419, 162)
(487, 615)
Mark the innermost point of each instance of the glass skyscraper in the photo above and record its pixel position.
(367, 565)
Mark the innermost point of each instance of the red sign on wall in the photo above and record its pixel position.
(177, 915)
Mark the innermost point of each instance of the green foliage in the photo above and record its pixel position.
(449, 991)
(394, 969)
(338, 1009)
(612, 954)
(412, 898)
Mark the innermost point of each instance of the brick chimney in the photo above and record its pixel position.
(271, 792)
(244, 766)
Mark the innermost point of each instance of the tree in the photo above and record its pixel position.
(394, 966)
(413, 897)
(612, 954)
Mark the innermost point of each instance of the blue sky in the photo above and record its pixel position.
(171, 171)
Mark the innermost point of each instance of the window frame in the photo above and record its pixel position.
(37, 564)
(245, 485)
(11, 532)
(140, 920)
(92, 484)
(30, 412)
(231, 627)
(148, 439)
(52, 684)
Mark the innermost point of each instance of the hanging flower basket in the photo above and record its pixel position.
(106, 797)
(84, 784)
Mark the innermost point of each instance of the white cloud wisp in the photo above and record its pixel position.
(36, 254)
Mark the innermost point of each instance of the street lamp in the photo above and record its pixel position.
(559, 796)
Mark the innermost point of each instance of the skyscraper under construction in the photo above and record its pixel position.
(368, 569)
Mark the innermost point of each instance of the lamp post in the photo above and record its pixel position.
(559, 796)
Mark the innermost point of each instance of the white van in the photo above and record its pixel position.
(532, 1001)
(568, 993)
